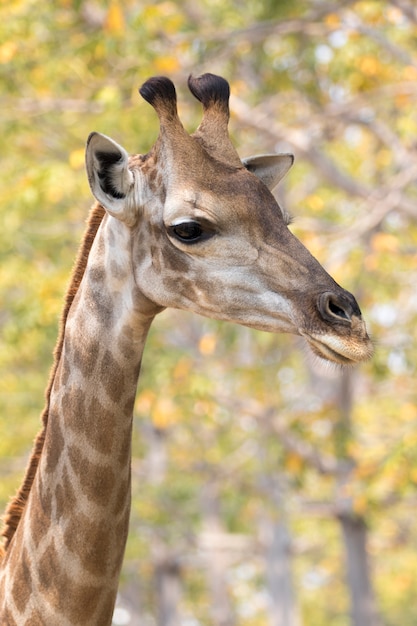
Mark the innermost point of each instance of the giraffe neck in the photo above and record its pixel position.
(63, 563)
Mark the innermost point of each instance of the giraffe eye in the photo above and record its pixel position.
(189, 232)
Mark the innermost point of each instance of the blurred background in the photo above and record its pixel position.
(267, 490)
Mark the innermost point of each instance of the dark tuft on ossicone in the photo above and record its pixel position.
(210, 89)
(158, 89)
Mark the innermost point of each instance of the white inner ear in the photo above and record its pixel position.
(270, 168)
(110, 178)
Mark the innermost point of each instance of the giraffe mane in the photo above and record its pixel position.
(17, 504)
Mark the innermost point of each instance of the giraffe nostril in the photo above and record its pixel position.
(333, 307)
(337, 310)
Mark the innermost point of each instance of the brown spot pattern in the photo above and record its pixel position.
(52, 576)
(125, 344)
(125, 451)
(78, 602)
(90, 541)
(100, 427)
(35, 619)
(45, 499)
(40, 520)
(104, 617)
(122, 498)
(96, 481)
(63, 371)
(22, 583)
(8, 620)
(54, 443)
(117, 271)
(68, 491)
(93, 421)
(101, 306)
(112, 376)
(73, 409)
(85, 357)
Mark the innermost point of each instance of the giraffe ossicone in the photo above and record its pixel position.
(188, 225)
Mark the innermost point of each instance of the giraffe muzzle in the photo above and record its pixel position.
(343, 338)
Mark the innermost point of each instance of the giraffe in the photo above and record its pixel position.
(188, 225)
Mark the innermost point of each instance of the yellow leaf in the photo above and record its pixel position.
(384, 242)
(294, 463)
(163, 413)
(369, 65)
(371, 262)
(402, 100)
(182, 369)
(365, 470)
(150, 13)
(332, 19)
(7, 51)
(76, 159)
(115, 22)
(167, 64)
(207, 344)
(314, 202)
(144, 401)
(410, 73)
(394, 15)
(360, 504)
(109, 95)
(408, 412)
(405, 581)
(383, 158)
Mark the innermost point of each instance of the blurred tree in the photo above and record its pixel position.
(335, 83)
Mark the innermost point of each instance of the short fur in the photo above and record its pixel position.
(214, 92)
(210, 90)
(160, 92)
(17, 504)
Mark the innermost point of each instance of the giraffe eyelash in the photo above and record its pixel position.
(287, 216)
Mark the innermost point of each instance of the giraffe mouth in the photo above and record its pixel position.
(337, 350)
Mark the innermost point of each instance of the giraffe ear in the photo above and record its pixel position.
(110, 178)
(270, 168)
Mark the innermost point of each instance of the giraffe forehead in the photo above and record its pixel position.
(201, 186)
(194, 205)
(237, 197)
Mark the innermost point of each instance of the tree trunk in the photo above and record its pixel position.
(362, 602)
(217, 561)
(167, 585)
(276, 539)
(167, 572)
(354, 530)
(338, 389)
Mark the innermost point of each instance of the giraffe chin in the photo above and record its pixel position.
(337, 351)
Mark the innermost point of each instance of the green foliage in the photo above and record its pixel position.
(332, 82)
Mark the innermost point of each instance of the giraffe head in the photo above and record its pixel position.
(207, 234)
